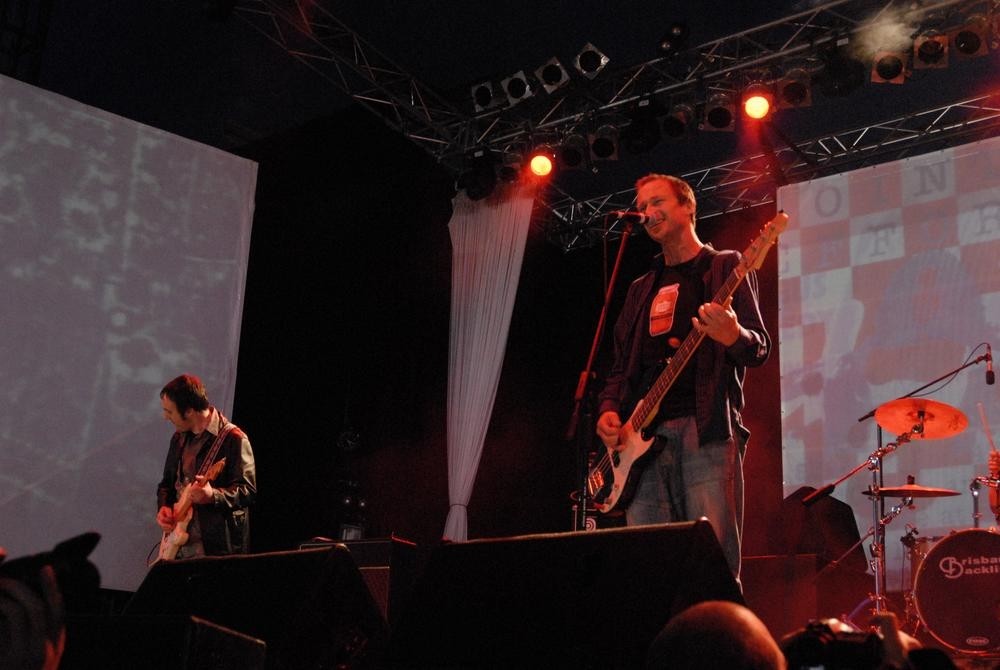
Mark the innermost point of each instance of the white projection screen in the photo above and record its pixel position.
(124, 257)
(889, 278)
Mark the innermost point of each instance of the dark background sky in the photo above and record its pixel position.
(347, 303)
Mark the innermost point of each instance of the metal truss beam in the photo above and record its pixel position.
(309, 33)
(752, 181)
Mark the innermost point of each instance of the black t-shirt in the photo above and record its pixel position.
(678, 294)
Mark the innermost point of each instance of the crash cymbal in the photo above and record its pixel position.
(913, 491)
(938, 419)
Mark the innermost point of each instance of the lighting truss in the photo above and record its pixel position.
(308, 32)
(749, 182)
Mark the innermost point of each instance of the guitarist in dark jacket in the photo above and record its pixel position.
(695, 466)
(220, 522)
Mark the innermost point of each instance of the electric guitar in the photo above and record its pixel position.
(612, 480)
(176, 538)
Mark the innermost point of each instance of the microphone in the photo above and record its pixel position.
(990, 377)
(629, 217)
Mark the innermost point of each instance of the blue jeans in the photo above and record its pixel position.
(687, 481)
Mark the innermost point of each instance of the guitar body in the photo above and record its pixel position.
(178, 536)
(617, 476)
(174, 539)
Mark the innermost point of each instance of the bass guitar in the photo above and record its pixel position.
(612, 480)
(176, 538)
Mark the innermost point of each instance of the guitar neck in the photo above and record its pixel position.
(651, 401)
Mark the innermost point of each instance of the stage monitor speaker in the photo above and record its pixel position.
(388, 566)
(311, 607)
(585, 599)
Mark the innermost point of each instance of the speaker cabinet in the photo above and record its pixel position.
(586, 599)
(388, 566)
(311, 607)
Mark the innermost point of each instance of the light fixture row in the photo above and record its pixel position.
(549, 76)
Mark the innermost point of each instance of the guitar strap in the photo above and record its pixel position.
(225, 427)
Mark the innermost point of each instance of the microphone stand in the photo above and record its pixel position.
(584, 438)
(874, 462)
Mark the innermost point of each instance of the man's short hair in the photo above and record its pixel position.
(187, 392)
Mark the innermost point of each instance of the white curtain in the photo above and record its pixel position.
(488, 238)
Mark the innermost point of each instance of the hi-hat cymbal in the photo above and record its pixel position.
(938, 419)
(913, 491)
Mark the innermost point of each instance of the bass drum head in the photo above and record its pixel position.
(957, 591)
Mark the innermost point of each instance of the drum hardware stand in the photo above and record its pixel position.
(880, 518)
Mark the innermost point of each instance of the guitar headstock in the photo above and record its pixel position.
(753, 256)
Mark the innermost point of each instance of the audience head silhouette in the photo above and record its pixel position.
(715, 634)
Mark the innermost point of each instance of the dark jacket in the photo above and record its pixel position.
(225, 525)
(721, 370)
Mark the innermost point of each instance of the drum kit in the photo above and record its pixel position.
(954, 591)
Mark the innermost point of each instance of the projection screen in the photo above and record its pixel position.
(124, 257)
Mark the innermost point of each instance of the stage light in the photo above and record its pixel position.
(720, 112)
(972, 39)
(678, 121)
(758, 98)
(674, 40)
(888, 67)
(516, 87)
(510, 167)
(573, 151)
(542, 161)
(552, 74)
(590, 61)
(930, 51)
(643, 131)
(841, 73)
(482, 96)
(794, 89)
(478, 177)
(604, 143)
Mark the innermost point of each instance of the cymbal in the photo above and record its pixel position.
(913, 491)
(939, 420)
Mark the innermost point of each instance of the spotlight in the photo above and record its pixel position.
(841, 74)
(971, 40)
(552, 74)
(542, 161)
(794, 89)
(930, 51)
(604, 143)
(516, 87)
(590, 61)
(758, 99)
(674, 40)
(510, 167)
(573, 151)
(720, 112)
(643, 131)
(482, 96)
(888, 67)
(677, 123)
(478, 178)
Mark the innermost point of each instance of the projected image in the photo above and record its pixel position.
(889, 278)
(123, 252)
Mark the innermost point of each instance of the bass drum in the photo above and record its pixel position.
(957, 591)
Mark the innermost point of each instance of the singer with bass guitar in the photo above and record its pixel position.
(209, 478)
(694, 466)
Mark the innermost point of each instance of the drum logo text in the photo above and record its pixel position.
(953, 568)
